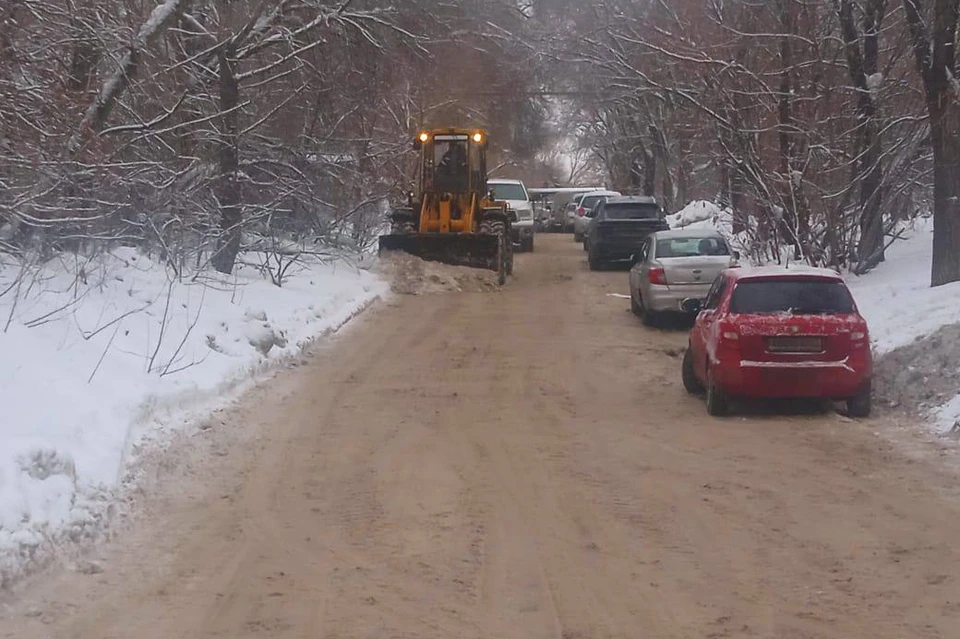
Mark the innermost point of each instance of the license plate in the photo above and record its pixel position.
(798, 344)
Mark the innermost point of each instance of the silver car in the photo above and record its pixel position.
(672, 266)
(585, 203)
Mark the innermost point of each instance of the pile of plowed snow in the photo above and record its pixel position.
(410, 275)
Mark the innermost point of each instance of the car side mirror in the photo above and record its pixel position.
(736, 255)
(691, 305)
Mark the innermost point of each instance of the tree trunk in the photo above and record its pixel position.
(934, 43)
(870, 248)
(649, 172)
(228, 193)
(862, 65)
(945, 135)
(785, 130)
(737, 198)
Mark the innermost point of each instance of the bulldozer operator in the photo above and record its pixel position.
(451, 175)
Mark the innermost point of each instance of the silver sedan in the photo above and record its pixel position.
(672, 266)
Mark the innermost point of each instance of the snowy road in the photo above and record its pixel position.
(519, 464)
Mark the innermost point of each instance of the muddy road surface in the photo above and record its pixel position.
(517, 464)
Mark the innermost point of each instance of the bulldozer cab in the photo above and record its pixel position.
(453, 161)
(454, 219)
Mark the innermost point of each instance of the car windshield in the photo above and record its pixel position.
(632, 211)
(691, 247)
(508, 192)
(801, 297)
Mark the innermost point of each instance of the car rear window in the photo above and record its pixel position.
(801, 297)
(691, 247)
(632, 211)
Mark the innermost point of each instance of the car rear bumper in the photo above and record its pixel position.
(665, 299)
(830, 380)
(614, 251)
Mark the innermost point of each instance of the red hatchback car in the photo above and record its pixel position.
(779, 332)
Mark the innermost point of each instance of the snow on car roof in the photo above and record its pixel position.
(687, 232)
(503, 181)
(762, 272)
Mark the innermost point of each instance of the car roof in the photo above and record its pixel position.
(683, 233)
(632, 199)
(782, 272)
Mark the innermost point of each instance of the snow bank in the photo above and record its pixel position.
(901, 307)
(896, 297)
(98, 354)
(700, 214)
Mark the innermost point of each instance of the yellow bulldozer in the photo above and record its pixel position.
(454, 219)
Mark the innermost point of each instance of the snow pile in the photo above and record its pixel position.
(913, 327)
(409, 275)
(700, 214)
(99, 354)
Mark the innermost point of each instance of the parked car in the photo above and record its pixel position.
(620, 226)
(516, 197)
(779, 332)
(673, 266)
(569, 216)
(585, 202)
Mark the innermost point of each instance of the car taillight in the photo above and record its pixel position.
(729, 337)
(581, 211)
(658, 276)
(859, 338)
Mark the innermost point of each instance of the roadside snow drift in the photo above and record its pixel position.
(97, 353)
(901, 309)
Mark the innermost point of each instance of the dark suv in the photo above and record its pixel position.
(619, 228)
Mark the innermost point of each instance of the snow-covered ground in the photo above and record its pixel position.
(901, 307)
(99, 355)
(896, 297)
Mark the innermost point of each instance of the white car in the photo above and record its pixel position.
(585, 204)
(514, 193)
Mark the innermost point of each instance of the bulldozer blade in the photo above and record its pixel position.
(477, 250)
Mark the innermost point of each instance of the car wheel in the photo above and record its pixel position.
(690, 381)
(717, 404)
(577, 237)
(528, 245)
(648, 317)
(860, 404)
(595, 264)
(634, 306)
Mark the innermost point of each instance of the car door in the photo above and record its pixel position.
(591, 218)
(637, 270)
(702, 334)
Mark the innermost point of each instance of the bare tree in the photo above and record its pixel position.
(934, 35)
